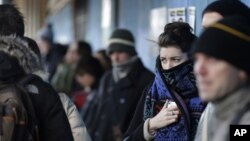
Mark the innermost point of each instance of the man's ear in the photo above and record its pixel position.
(243, 76)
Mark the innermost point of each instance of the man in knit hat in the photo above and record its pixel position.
(222, 71)
(223, 8)
(120, 89)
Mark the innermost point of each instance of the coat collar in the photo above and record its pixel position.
(179, 78)
(132, 76)
(232, 104)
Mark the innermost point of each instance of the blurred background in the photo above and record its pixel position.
(94, 20)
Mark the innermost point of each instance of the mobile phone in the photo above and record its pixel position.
(171, 104)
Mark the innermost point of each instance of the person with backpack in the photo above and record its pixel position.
(222, 71)
(17, 118)
(52, 120)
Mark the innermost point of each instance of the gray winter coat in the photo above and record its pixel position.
(78, 128)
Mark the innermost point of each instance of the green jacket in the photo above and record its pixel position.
(63, 78)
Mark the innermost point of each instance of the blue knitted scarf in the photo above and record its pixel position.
(167, 84)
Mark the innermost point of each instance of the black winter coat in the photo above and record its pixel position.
(135, 130)
(52, 120)
(117, 101)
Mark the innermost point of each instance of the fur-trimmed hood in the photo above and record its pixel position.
(10, 70)
(18, 48)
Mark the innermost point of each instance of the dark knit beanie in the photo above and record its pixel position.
(228, 8)
(122, 40)
(228, 40)
(46, 33)
(84, 48)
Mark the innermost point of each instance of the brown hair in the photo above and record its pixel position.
(177, 34)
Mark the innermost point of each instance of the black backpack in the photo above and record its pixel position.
(18, 121)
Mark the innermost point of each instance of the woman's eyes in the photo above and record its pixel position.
(164, 60)
(176, 60)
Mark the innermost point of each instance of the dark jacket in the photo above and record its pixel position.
(117, 101)
(53, 122)
(167, 85)
(88, 111)
(135, 130)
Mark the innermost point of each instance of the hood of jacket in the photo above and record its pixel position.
(19, 49)
(10, 70)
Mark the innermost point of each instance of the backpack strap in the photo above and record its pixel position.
(29, 105)
(183, 108)
(1, 119)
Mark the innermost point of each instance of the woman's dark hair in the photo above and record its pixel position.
(84, 48)
(177, 34)
(91, 66)
(107, 60)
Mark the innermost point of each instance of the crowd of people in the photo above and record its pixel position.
(199, 88)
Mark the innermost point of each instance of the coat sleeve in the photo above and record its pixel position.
(135, 130)
(76, 123)
(98, 129)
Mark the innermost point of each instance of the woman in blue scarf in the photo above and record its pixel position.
(172, 108)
